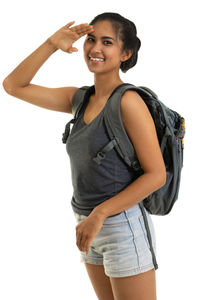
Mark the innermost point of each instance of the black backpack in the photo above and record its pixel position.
(170, 127)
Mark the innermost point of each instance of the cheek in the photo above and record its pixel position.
(115, 56)
(85, 50)
(113, 52)
(86, 44)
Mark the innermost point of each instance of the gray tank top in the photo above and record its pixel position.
(93, 183)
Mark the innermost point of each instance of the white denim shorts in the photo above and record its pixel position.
(121, 245)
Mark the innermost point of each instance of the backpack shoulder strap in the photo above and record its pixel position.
(150, 92)
(77, 103)
(78, 100)
(115, 125)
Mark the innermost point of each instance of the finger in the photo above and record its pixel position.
(81, 28)
(87, 243)
(78, 240)
(73, 49)
(68, 24)
(76, 35)
(71, 34)
(84, 243)
(87, 247)
(85, 31)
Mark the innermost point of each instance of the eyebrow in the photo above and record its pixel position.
(103, 37)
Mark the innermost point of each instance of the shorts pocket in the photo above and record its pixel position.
(115, 220)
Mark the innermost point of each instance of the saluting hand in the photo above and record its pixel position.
(66, 36)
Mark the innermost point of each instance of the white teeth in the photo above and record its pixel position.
(96, 59)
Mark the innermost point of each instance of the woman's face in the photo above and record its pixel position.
(103, 45)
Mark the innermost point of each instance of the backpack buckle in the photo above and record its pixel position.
(99, 157)
(101, 154)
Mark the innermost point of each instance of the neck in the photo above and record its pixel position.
(105, 84)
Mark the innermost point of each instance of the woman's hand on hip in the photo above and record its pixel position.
(86, 230)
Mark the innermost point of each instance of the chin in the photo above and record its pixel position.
(95, 71)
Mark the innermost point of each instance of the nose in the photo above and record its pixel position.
(96, 48)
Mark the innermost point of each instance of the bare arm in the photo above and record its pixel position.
(141, 129)
(17, 83)
(26, 70)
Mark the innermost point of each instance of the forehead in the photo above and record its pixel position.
(103, 28)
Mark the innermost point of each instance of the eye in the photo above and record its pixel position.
(108, 42)
(90, 38)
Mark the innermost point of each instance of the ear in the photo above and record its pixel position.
(127, 55)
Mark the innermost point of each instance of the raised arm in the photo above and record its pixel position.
(17, 83)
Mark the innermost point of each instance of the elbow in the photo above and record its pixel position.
(7, 86)
(159, 178)
(162, 178)
(161, 175)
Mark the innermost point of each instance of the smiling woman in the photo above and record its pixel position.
(125, 31)
(110, 233)
(107, 49)
(105, 41)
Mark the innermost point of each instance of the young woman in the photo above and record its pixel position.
(110, 233)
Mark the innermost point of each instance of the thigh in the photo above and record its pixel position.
(100, 281)
(137, 287)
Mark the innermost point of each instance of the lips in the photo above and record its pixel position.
(96, 58)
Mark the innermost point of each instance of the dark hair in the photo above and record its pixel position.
(127, 32)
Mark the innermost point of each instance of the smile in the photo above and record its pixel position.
(96, 59)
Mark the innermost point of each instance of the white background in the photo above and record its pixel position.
(39, 258)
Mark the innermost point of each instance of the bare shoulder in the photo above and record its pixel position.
(134, 110)
(141, 130)
(132, 100)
